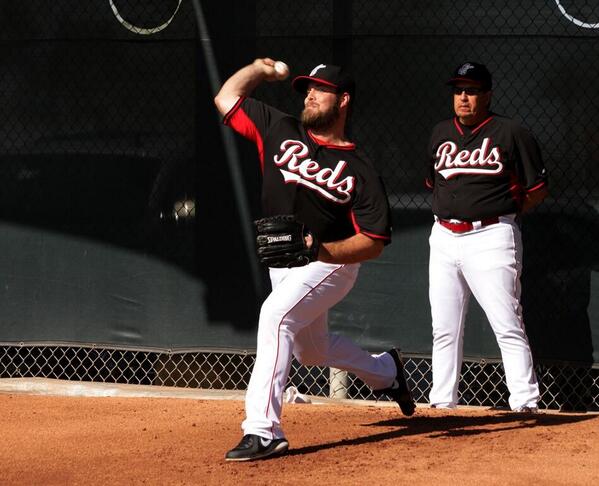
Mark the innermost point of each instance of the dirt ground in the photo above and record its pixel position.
(53, 440)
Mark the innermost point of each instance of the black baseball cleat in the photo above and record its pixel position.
(399, 390)
(254, 447)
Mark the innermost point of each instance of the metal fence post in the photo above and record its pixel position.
(338, 383)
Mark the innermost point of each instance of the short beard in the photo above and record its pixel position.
(320, 121)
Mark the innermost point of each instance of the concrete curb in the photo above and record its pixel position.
(52, 387)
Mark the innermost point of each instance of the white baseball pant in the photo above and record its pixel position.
(486, 262)
(293, 319)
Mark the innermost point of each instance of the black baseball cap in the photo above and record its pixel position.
(472, 71)
(329, 75)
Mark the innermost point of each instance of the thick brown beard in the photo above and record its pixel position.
(320, 121)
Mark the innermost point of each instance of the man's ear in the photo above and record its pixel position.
(344, 100)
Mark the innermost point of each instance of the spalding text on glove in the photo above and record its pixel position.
(280, 242)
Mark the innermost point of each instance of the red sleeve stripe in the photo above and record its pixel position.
(428, 183)
(239, 121)
(233, 110)
(358, 230)
(538, 186)
(354, 222)
(516, 192)
(376, 237)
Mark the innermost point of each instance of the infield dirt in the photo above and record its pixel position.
(80, 440)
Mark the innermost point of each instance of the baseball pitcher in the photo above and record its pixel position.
(325, 211)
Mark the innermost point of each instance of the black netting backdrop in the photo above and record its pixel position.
(544, 59)
(117, 209)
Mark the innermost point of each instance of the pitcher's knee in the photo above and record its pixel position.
(514, 339)
(444, 338)
(307, 357)
(273, 316)
(274, 320)
(271, 310)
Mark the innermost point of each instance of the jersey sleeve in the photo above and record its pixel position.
(253, 119)
(370, 212)
(531, 170)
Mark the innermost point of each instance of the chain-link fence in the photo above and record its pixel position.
(109, 135)
(564, 387)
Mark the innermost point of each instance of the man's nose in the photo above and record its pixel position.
(463, 95)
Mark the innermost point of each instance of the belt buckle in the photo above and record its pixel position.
(465, 227)
(455, 226)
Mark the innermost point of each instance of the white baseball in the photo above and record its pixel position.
(282, 69)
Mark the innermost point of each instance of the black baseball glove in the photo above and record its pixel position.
(280, 242)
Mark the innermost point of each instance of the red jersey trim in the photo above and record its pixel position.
(428, 184)
(357, 229)
(376, 237)
(351, 146)
(482, 124)
(238, 119)
(516, 191)
(457, 125)
(538, 186)
(474, 130)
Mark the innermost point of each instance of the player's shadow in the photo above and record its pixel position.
(448, 426)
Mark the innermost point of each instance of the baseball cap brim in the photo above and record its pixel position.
(453, 81)
(301, 83)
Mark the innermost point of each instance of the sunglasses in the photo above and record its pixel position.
(468, 91)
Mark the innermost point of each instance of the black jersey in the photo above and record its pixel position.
(483, 171)
(335, 192)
